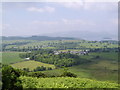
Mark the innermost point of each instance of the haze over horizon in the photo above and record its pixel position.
(90, 20)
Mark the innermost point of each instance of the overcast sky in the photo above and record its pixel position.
(41, 18)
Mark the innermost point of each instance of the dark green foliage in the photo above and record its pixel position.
(42, 68)
(68, 74)
(36, 74)
(26, 69)
(49, 68)
(22, 55)
(10, 78)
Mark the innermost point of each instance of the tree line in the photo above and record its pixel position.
(47, 56)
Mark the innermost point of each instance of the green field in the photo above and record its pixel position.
(64, 82)
(113, 56)
(53, 44)
(93, 71)
(104, 68)
(11, 57)
(31, 65)
(106, 55)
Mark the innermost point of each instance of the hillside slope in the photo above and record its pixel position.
(64, 82)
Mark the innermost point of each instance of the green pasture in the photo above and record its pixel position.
(10, 57)
(103, 68)
(31, 64)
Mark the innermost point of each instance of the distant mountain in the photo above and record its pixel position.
(41, 38)
(69, 35)
(87, 35)
(108, 38)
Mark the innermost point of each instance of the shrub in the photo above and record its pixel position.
(26, 69)
(36, 74)
(68, 74)
(42, 68)
(49, 68)
(10, 78)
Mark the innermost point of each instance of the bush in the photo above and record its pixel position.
(42, 68)
(36, 74)
(49, 68)
(68, 74)
(10, 78)
(26, 69)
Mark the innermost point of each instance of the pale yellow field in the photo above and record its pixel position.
(31, 65)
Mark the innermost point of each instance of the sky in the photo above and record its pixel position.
(53, 18)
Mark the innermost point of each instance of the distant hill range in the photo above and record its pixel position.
(84, 34)
(41, 38)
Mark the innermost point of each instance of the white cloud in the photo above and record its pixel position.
(75, 5)
(93, 5)
(78, 21)
(60, 25)
(44, 9)
(65, 22)
(104, 6)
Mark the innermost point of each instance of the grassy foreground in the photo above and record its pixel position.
(64, 82)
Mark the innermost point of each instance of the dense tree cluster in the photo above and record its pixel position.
(10, 78)
(39, 68)
(42, 68)
(47, 56)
